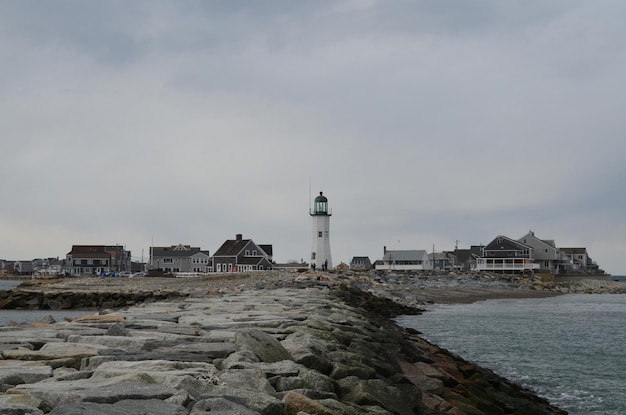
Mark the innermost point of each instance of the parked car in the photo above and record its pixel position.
(138, 275)
(124, 274)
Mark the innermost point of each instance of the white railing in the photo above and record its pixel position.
(501, 265)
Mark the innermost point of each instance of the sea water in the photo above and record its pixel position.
(31, 316)
(570, 349)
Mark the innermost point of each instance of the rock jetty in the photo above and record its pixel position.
(300, 344)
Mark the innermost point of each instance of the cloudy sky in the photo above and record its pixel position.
(436, 122)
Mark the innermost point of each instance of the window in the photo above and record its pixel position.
(247, 252)
(312, 255)
(320, 234)
(230, 267)
(254, 252)
(167, 260)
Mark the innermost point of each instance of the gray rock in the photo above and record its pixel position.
(125, 407)
(220, 406)
(306, 379)
(250, 379)
(56, 394)
(118, 329)
(377, 392)
(17, 409)
(309, 351)
(239, 360)
(16, 372)
(47, 320)
(211, 350)
(266, 347)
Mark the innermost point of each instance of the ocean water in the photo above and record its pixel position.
(31, 316)
(569, 349)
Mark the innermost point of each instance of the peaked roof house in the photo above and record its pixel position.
(505, 255)
(581, 261)
(180, 259)
(241, 255)
(404, 260)
(96, 259)
(360, 263)
(545, 254)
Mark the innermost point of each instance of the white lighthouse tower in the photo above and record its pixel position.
(320, 248)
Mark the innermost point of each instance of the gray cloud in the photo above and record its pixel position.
(424, 122)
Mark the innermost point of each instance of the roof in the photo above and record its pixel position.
(404, 255)
(174, 252)
(578, 251)
(232, 247)
(86, 249)
(502, 241)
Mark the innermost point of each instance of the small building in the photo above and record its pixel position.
(180, 259)
(241, 255)
(405, 260)
(360, 263)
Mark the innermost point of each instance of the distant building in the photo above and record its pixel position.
(320, 235)
(239, 255)
(23, 267)
(405, 260)
(96, 259)
(180, 258)
(360, 263)
(505, 255)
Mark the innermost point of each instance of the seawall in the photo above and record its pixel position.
(311, 346)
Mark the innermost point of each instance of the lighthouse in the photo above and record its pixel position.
(320, 247)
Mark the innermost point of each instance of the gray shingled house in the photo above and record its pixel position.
(240, 255)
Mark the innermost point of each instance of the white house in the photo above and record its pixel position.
(405, 260)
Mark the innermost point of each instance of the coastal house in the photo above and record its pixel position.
(465, 259)
(180, 259)
(23, 267)
(545, 254)
(360, 263)
(506, 255)
(97, 259)
(580, 261)
(443, 261)
(404, 260)
(239, 255)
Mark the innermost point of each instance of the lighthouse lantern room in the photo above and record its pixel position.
(320, 248)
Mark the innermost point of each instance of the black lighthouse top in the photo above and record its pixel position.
(320, 205)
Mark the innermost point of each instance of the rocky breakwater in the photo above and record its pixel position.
(284, 351)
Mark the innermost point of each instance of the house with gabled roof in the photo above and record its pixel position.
(97, 259)
(505, 255)
(242, 255)
(360, 263)
(404, 260)
(581, 261)
(180, 259)
(545, 254)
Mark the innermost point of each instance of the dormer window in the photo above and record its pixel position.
(247, 252)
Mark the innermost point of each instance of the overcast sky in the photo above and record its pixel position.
(425, 123)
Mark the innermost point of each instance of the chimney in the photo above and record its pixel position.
(238, 237)
(384, 250)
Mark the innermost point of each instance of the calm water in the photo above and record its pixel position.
(28, 316)
(570, 349)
